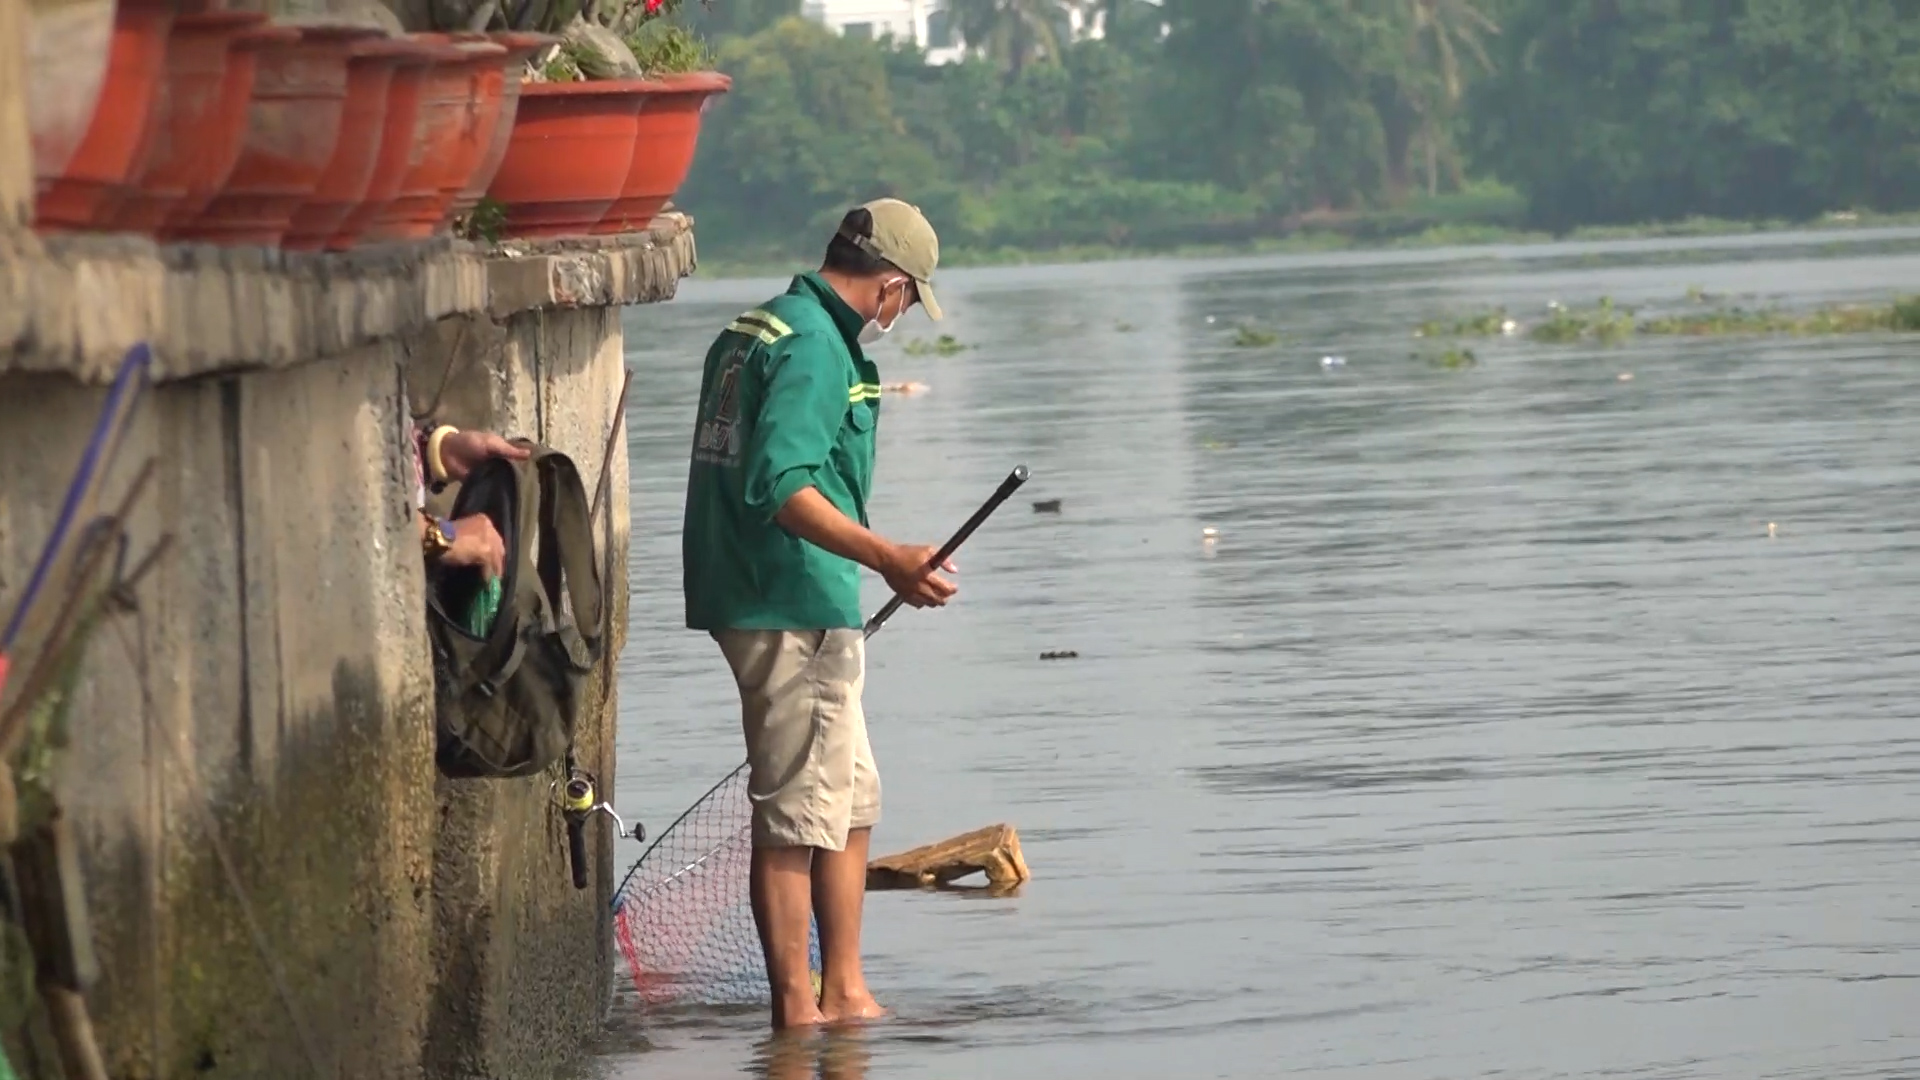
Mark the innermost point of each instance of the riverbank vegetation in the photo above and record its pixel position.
(1256, 125)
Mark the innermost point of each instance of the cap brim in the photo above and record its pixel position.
(925, 289)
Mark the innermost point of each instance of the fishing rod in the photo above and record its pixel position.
(1000, 495)
(1007, 487)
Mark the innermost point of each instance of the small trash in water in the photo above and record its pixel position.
(1333, 361)
(908, 388)
(1046, 506)
(1626, 376)
(1210, 533)
(1060, 654)
(1509, 328)
(1770, 530)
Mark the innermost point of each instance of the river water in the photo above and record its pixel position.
(1493, 734)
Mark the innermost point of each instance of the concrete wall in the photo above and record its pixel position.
(413, 927)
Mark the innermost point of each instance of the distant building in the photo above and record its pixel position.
(922, 22)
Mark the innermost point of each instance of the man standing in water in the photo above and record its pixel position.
(775, 536)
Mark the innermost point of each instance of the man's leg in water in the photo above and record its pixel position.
(815, 795)
(840, 877)
(782, 910)
(839, 891)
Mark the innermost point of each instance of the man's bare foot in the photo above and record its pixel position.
(795, 1012)
(855, 1004)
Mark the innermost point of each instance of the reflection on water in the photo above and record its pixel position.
(1491, 733)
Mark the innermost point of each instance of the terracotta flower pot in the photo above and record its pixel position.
(669, 130)
(571, 149)
(293, 124)
(186, 126)
(226, 126)
(397, 139)
(519, 48)
(447, 144)
(69, 45)
(343, 183)
(115, 137)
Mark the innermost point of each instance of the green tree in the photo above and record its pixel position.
(1443, 32)
(1638, 110)
(807, 130)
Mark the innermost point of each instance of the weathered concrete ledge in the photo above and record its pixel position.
(421, 929)
(76, 304)
(641, 268)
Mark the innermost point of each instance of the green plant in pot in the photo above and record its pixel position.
(601, 39)
(569, 170)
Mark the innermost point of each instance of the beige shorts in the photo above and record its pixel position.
(810, 770)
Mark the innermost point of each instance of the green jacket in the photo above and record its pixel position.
(788, 401)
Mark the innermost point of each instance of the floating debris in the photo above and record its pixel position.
(1060, 654)
(1625, 376)
(944, 345)
(1332, 362)
(1608, 323)
(1210, 533)
(1253, 337)
(1124, 327)
(1771, 530)
(1486, 324)
(907, 388)
(1046, 506)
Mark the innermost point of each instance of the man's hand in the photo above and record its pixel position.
(462, 451)
(908, 568)
(476, 543)
(909, 571)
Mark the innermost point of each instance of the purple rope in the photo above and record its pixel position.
(135, 364)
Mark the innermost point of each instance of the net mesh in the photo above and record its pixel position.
(683, 917)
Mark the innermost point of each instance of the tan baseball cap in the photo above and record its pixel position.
(902, 236)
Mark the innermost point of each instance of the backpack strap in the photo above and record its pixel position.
(566, 549)
(491, 684)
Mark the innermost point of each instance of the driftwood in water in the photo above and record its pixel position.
(993, 851)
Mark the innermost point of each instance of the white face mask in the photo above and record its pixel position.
(873, 331)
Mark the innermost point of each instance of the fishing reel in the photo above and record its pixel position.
(578, 804)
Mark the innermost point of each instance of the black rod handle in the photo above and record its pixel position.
(1005, 491)
(577, 850)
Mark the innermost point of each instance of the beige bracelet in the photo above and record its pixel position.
(434, 465)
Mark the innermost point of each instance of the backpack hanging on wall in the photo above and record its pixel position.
(507, 702)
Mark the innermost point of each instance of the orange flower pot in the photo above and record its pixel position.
(225, 127)
(86, 189)
(398, 143)
(186, 126)
(568, 159)
(343, 183)
(293, 124)
(669, 131)
(519, 48)
(448, 146)
(69, 45)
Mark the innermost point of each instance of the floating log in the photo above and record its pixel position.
(993, 851)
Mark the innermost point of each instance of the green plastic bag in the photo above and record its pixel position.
(485, 609)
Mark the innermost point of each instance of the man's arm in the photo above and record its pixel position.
(908, 568)
(798, 422)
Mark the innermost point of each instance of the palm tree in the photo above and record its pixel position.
(1442, 30)
(1012, 33)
